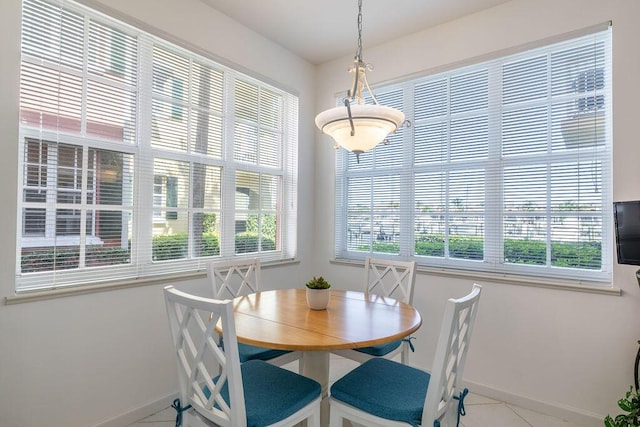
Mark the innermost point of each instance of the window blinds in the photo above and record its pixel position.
(142, 158)
(506, 168)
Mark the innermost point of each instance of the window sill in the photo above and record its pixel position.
(565, 285)
(41, 295)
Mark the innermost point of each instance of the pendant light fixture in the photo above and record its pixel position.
(356, 126)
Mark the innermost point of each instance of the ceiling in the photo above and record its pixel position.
(322, 30)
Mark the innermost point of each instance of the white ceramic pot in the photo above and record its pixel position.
(318, 299)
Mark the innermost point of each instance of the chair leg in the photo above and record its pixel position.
(336, 419)
(404, 354)
(314, 419)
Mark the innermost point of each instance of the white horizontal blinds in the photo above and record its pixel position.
(63, 90)
(389, 154)
(289, 216)
(555, 116)
(373, 184)
(431, 122)
(111, 99)
(100, 101)
(431, 135)
(468, 153)
(52, 67)
(258, 125)
(79, 208)
(187, 104)
(510, 168)
(187, 139)
(578, 195)
(187, 203)
(359, 215)
(271, 132)
(206, 205)
(269, 215)
(257, 212)
(451, 142)
(77, 115)
(109, 191)
(259, 140)
(246, 122)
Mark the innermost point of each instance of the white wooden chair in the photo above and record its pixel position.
(215, 387)
(394, 279)
(385, 393)
(231, 279)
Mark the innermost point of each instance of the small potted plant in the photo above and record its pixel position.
(630, 404)
(318, 293)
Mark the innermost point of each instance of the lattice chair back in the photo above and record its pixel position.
(392, 279)
(445, 387)
(231, 279)
(204, 368)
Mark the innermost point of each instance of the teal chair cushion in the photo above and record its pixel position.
(380, 350)
(386, 389)
(251, 352)
(271, 393)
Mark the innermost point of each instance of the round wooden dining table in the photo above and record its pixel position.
(281, 319)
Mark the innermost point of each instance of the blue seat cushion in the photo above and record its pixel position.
(251, 352)
(380, 350)
(386, 389)
(271, 393)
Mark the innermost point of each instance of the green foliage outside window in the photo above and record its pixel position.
(586, 255)
(175, 246)
(248, 242)
(164, 248)
(63, 259)
(209, 222)
(268, 225)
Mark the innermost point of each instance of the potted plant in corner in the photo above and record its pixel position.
(630, 404)
(318, 293)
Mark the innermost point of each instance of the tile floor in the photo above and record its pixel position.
(481, 411)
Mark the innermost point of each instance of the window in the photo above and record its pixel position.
(139, 157)
(506, 168)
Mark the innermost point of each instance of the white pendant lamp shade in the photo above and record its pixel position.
(371, 125)
(358, 127)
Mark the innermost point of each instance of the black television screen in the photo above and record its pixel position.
(627, 219)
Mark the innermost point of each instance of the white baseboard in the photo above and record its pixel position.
(574, 415)
(139, 413)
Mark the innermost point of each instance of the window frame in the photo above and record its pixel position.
(141, 265)
(494, 165)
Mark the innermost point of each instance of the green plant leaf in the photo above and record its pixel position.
(625, 405)
(622, 421)
(630, 404)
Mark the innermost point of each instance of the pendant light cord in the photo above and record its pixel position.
(359, 49)
(360, 65)
(353, 93)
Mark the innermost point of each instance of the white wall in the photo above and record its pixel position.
(79, 361)
(560, 351)
(85, 360)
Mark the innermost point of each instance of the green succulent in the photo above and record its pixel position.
(318, 283)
